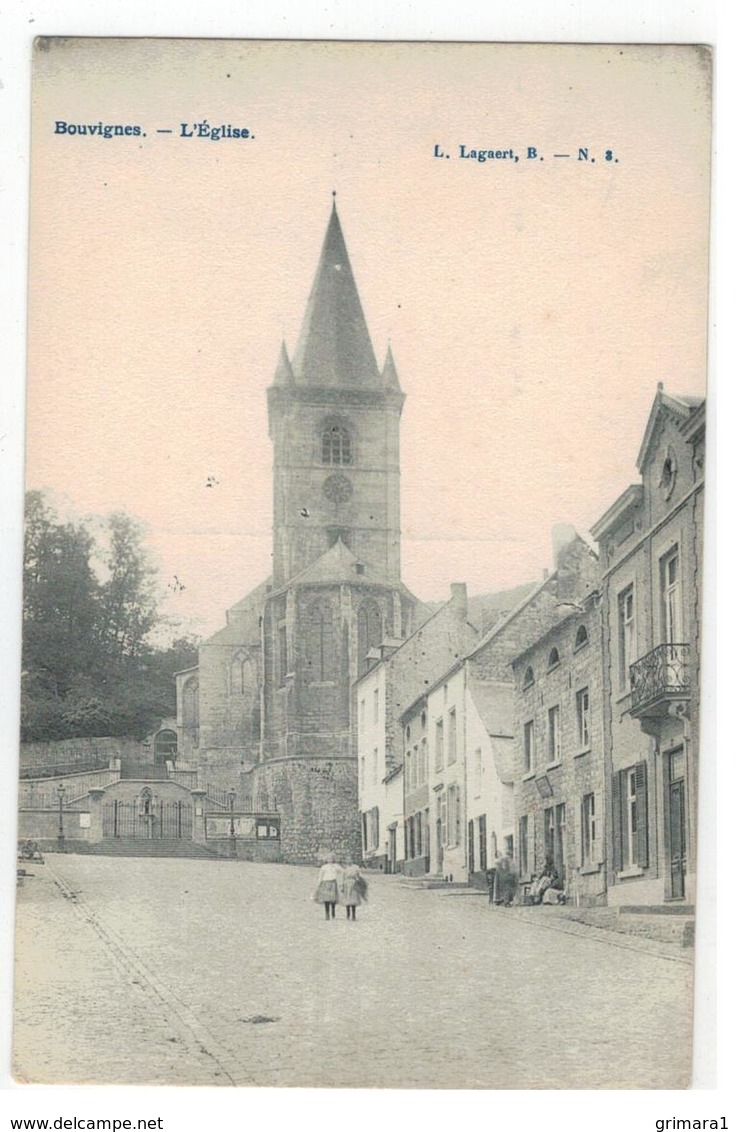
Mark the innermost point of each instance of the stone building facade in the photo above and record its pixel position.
(651, 553)
(270, 706)
(416, 795)
(399, 673)
(560, 787)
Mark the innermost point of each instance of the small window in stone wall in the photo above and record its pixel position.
(528, 678)
(553, 658)
(581, 638)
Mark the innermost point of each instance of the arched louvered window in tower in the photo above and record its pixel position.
(369, 631)
(335, 444)
(320, 646)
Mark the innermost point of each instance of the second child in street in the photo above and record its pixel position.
(353, 890)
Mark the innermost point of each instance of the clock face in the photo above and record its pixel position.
(337, 488)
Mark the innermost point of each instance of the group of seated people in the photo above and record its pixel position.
(546, 887)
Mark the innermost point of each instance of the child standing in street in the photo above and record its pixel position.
(354, 890)
(330, 880)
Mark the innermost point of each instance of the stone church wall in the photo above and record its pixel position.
(317, 800)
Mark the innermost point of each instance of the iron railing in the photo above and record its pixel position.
(659, 676)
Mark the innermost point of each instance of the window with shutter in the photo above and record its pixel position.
(617, 821)
(641, 815)
(598, 830)
(631, 818)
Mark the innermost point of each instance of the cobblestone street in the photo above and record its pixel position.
(135, 970)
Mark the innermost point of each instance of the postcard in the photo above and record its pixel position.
(363, 565)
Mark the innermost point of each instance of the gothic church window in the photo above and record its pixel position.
(369, 631)
(240, 674)
(320, 652)
(191, 704)
(335, 444)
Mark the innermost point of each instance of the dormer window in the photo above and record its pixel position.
(581, 638)
(335, 444)
(528, 678)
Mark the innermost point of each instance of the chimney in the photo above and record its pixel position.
(458, 600)
(562, 535)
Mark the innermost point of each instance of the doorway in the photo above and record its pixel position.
(676, 822)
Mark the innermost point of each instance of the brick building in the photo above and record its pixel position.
(270, 703)
(651, 552)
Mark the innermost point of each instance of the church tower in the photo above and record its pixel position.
(270, 704)
(334, 421)
(335, 593)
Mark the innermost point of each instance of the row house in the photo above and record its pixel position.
(508, 658)
(567, 736)
(447, 775)
(650, 543)
(416, 801)
(459, 805)
(398, 672)
(490, 773)
(458, 777)
(560, 795)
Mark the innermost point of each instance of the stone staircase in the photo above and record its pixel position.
(146, 772)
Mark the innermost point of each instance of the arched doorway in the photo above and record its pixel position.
(165, 746)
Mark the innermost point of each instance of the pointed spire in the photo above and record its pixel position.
(389, 371)
(283, 374)
(334, 347)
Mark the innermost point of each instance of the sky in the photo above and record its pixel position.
(532, 306)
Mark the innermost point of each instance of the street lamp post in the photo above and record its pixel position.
(231, 805)
(60, 790)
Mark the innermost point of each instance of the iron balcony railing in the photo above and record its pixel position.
(660, 676)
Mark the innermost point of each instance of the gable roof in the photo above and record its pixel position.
(338, 564)
(679, 407)
(628, 501)
(494, 702)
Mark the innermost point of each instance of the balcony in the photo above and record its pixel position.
(659, 679)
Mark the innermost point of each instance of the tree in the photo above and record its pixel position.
(128, 603)
(89, 609)
(60, 600)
